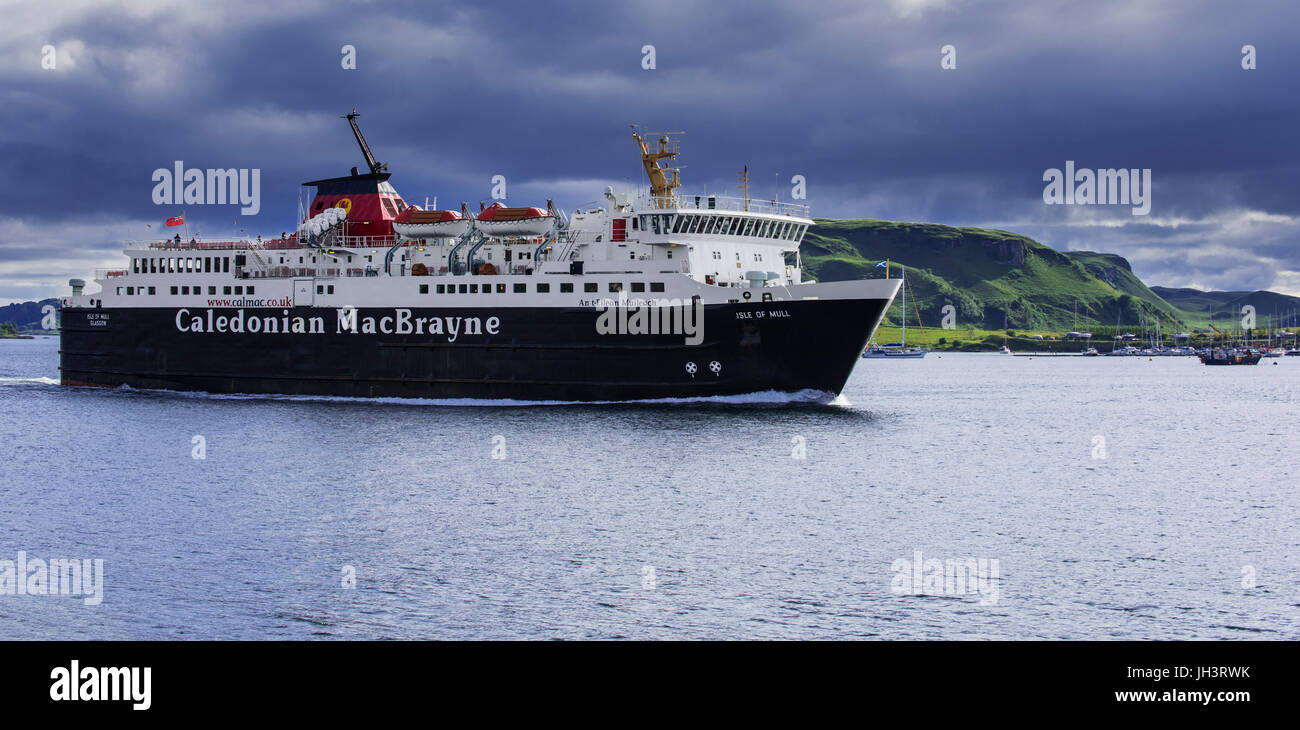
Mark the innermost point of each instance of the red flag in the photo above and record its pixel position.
(177, 221)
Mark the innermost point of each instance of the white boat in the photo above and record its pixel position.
(893, 349)
(900, 348)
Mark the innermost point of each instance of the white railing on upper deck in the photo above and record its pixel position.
(646, 202)
(266, 244)
(221, 244)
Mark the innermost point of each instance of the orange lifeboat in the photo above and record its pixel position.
(413, 223)
(498, 220)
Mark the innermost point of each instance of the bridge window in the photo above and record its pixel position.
(677, 224)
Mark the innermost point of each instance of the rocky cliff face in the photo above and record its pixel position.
(1110, 268)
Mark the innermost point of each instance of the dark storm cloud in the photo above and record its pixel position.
(850, 95)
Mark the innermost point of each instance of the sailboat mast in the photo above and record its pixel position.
(903, 341)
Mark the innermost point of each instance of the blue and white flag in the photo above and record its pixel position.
(882, 264)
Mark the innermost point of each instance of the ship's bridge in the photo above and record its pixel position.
(727, 241)
(672, 217)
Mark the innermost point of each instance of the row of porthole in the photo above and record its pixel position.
(590, 287)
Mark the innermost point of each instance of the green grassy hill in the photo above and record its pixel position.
(986, 273)
(1226, 306)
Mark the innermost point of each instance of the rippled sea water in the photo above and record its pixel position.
(1123, 498)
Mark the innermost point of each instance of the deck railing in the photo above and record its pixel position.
(647, 202)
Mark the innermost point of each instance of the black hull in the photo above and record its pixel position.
(535, 353)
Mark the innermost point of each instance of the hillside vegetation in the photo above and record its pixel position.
(989, 276)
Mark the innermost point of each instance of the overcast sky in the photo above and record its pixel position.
(851, 95)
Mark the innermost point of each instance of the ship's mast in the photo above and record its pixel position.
(743, 187)
(661, 187)
(375, 167)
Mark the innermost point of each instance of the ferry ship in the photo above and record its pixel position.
(650, 294)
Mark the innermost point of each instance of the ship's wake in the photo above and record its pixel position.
(28, 381)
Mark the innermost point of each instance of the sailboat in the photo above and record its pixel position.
(900, 348)
(1005, 324)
